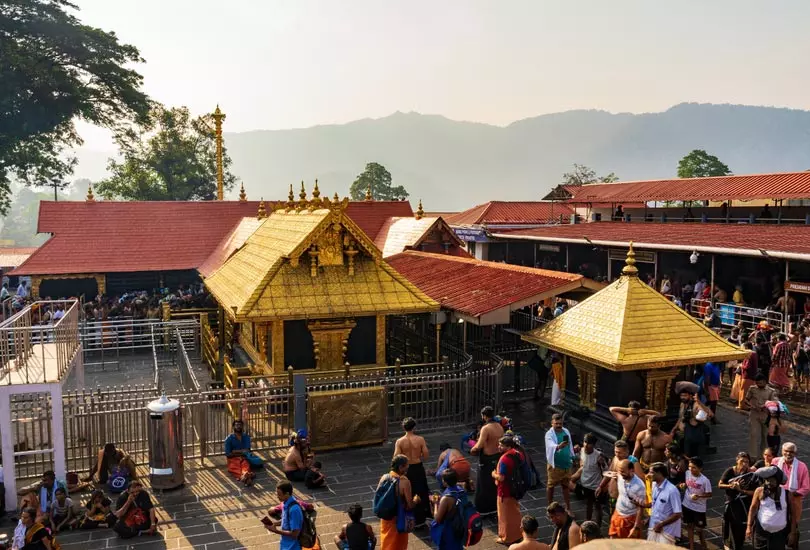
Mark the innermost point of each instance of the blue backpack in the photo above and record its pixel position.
(119, 480)
(386, 498)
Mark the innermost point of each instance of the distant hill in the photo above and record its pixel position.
(453, 165)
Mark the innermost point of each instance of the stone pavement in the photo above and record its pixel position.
(214, 513)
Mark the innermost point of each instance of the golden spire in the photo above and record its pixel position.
(336, 198)
(291, 199)
(420, 212)
(316, 196)
(302, 196)
(630, 263)
(368, 193)
(262, 213)
(219, 116)
(90, 196)
(242, 195)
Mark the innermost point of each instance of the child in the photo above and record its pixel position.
(356, 535)
(774, 424)
(62, 511)
(98, 512)
(698, 491)
(314, 478)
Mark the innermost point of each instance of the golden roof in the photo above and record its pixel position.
(312, 263)
(630, 326)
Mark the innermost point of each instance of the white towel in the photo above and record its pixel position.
(793, 482)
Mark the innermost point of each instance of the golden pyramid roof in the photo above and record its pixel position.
(312, 262)
(630, 326)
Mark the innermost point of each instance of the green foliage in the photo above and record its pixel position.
(53, 70)
(582, 175)
(172, 157)
(380, 180)
(700, 164)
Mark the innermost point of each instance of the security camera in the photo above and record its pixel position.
(694, 257)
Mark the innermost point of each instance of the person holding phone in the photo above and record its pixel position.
(560, 459)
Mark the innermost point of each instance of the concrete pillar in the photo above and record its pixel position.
(58, 432)
(8, 451)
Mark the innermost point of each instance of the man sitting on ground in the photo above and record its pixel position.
(135, 513)
(237, 450)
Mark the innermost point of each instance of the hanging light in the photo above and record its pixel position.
(694, 257)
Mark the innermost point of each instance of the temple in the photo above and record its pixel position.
(625, 342)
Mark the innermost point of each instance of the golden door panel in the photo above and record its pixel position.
(347, 418)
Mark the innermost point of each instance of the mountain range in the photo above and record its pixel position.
(453, 165)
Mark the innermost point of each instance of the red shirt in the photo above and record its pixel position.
(506, 465)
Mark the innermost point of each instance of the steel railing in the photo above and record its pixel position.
(731, 314)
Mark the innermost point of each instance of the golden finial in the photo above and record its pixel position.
(420, 212)
(302, 203)
(316, 196)
(291, 199)
(630, 263)
(336, 198)
(90, 196)
(242, 195)
(368, 193)
(262, 212)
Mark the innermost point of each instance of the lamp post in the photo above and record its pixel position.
(219, 116)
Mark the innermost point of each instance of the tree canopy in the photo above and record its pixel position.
(171, 157)
(380, 180)
(582, 175)
(54, 70)
(700, 164)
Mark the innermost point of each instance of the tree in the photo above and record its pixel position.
(582, 175)
(380, 180)
(53, 70)
(700, 164)
(20, 224)
(172, 157)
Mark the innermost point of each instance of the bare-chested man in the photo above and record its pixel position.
(651, 443)
(610, 480)
(486, 447)
(632, 419)
(414, 447)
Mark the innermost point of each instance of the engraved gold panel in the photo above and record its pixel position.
(330, 341)
(330, 246)
(380, 356)
(277, 343)
(659, 384)
(587, 374)
(347, 418)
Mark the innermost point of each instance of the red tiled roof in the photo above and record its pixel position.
(475, 287)
(121, 237)
(733, 239)
(511, 213)
(790, 185)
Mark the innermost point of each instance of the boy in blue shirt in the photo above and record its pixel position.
(292, 518)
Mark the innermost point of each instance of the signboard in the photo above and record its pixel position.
(471, 235)
(548, 248)
(795, 286)
(642, 256)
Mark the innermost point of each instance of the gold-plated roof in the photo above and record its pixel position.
(306, 263)
(629, 326)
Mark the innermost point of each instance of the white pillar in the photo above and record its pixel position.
(8, 451)
(58, 432)
(786, 317)
(78, 364)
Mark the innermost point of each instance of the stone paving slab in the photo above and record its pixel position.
(215, 513)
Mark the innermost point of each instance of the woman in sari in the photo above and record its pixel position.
(37, 536)
(750, 368)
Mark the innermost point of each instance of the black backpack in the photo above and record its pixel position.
(520, 477)
(308, 535)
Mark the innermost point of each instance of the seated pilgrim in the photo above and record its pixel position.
(299, 458)
(113, 463)
(241, 460)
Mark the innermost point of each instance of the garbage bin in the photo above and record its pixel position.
(165, 443)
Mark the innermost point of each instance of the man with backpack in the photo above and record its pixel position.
(393, 504)
(512, 484)
(292, 518)
(457, 524)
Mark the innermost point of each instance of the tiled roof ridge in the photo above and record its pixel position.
(704, 178)
(495, 265)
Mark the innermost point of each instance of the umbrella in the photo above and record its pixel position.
(686, 386)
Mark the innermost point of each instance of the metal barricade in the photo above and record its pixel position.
(731, 314)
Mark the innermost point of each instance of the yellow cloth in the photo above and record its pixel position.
(559, 374)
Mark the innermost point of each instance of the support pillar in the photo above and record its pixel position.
(711, 285)
(438, 340)
(786, 316)
(8, 451)
(58, 433)
(609, 269)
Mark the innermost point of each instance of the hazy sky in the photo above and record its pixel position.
(274, 64)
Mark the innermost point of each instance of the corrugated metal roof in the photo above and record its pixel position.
(511, 213)
(475, 287)
(789, 185)
(793, 239)
(14, 256)
(400, 234)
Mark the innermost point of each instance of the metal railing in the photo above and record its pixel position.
(104, 342)
(188, 378)
(731, 314)
(34, 349)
